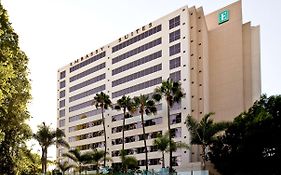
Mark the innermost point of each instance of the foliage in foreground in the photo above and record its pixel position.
(251, 145)
(14, 97)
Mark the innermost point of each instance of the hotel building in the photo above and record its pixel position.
(215, 57)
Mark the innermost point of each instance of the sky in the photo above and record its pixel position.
(54, 33)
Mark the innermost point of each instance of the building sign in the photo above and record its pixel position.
(223, 16)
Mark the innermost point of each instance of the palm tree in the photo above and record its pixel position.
(102, 101)
(78, 157)
(64, 166)
(47, 137)
(144, 106)
(131, 163)
(173, 93)
(96, 156)
(125, 103)
(162, 143)
(204, 132)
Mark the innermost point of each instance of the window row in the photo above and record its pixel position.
(137, 38)
(137, 50)
(85, 125)
(87, 62)
(86, 136)
(174, 35)
(133, 151)
(87, 83)
(135, 138)
(120, 116)
(174, 49)
(81, 106)
(62, 113)
(87, 93)
(137, 87)
(85, 115)
(87, 72)
(90, 146)
(62, 74)
(174, 22)
(174, 63)
(137, 75)
(137, 125)
(137, 62)
(176, 76)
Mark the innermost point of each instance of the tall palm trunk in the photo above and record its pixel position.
(163, 159)
(105, 145)
(144, 141)
(123, 139)
(44, 160)
(203, 157)
(170, 139)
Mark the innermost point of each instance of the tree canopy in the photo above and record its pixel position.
(251, 145)
(14, 96)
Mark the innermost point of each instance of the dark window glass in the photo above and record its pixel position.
(175, 118)
(85, 125)
(62, 84)
(174, 49)
(86, 136)
(137, 87)
(174, 35)
(62, 94)
(88, 61)
(136, 38)
(176, 76)
(137, 50)
(87, 93)
(61, 123)
(84, 115)
(137, 75)
(81, 106)
(87, 72)
(91, 146)
(176, 132)
(62, 113)
(62, 103)
(174, 22)
(62, 74)
(174, 63)
(137, 62)
(87, 82)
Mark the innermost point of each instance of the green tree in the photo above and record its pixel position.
(97, 156)
(251, 144)
(172, 93)
(204, 132)
(103, 101)
(79, 158)
(14, 96)
(130, 163)
(47, 137)
(146, 106)
(125, 104)
(65, 166)
(162, 143)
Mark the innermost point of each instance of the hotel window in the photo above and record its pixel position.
(176, 76)
(174, 49)
(62, 74)
(62, 84)
(62, 93)
(87, 82)
(62, 113)
(62, 123)
(174, 35)
(87, 72)
(174, 22)
(174, 63)
(62, 103)
(175, 118)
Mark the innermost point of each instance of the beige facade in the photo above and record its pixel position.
(218, 66)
